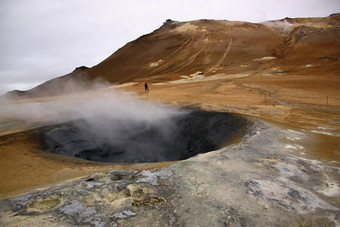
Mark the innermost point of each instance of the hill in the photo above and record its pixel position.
(308, 46)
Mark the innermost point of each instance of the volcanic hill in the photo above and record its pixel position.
(281, 49)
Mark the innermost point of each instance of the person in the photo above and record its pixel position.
(146, 87)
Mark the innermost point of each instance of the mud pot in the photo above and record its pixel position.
(118, 141)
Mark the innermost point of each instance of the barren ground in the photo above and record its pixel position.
(270, 100)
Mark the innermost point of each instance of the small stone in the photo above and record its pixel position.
(74, 208)
(119, 215)
(129, 213)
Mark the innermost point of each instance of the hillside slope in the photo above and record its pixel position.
(309, 46)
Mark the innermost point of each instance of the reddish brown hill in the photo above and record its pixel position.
(184, 48)
(302, 45)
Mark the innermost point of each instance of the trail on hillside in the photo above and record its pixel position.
(223, 56)
(193, 57)
(171, 57)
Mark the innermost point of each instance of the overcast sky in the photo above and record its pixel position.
(44, 39)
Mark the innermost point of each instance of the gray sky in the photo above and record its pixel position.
(44, 39)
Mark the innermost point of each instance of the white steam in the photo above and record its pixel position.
(96, 107)
(283, 27)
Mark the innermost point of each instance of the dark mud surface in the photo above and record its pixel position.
(178, 138)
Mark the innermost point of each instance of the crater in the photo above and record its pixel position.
(126, 141)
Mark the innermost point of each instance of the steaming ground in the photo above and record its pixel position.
(177, 137)
(96, 108)
(252, 183)
(116, 126)
(265, 179)
(24, 164)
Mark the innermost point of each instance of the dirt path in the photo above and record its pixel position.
(223, 56)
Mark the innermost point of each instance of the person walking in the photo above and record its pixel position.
(146, 87)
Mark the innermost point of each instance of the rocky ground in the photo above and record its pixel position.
(258, 181)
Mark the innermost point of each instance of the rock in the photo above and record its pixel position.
(46, 203)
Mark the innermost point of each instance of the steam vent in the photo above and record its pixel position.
(178, 138)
